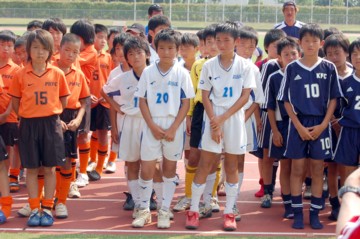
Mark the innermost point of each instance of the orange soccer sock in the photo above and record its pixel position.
(189, 178)
(112, 156)
(65, 185)
(58, 181)
(102, 153)
(73, 170)
(40, 186)
(6, 203)
(84, 153)
(94, 144)
(47, 203)
(34, 203)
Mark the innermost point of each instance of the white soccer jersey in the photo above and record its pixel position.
(165, 90)
(115, 72)
(122, 89)
(257, 94)
(153, 55)
(225, 85)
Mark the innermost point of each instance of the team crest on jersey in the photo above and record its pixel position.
(236, 77)
(173, 83)
(321, 76)
(50, 83)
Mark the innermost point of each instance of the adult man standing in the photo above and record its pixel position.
(290, 25)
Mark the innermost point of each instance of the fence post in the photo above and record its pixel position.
(329, 12)
(134, 10)
(347, 12)
(170, 13)
(241, 9)
(223, 10)
(188, 11)
(258, 18)
(312, 10)
(205, 10)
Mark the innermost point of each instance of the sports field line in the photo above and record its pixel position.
(181, 180)
(186, 232)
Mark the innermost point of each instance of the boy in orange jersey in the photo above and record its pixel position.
(100, 115)
(39, 93)
(71, 116)
(20, 50)
(5, 199)
(8, 119)
(87, 61)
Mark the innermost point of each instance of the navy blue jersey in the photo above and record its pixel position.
(292, 31)
(351, 112)
(271, 92)
(266, 70)
(309, 89)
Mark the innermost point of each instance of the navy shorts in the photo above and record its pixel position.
(278, 152)
(320, 149)
(196, 125)
(100, 118)
(3, 153)
(264, 134)
(334, 140)
(10, 133)
(347, 150)
(41, 142)
(70, 137)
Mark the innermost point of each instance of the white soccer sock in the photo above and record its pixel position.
(145, 193)
(196, 191)
(231, 192)
(209, 185)
(241, 177)
(169, 186)
(158, 188)
(135, 191)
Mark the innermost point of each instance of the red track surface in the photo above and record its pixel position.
(100, 211)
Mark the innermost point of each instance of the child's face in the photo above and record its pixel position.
(188, 52)
(157, 30)
(57, 36)
(336, 55)
(211, 47)
(110, 40)
(21, 54)
(100, 40)
(225, 43)
(38, 53)
(136, 58)
(245, 47)
(6, 49)
(288, 54)
(202, 48)
(272, 50)
(120, 53)
(69, 52)
(310, 45)
(355, 58)
(167, 51)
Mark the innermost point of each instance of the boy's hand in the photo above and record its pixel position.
(315, 131)
(169, 134)
(114, 135)
(158, 132)
(94, 100)
(217, 135)
(216, 122)
(336, 126)
(73, 125)
(64, 126)
(305, 133)
(188, 125)
(277, 139)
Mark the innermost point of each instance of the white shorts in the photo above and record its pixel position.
(119, 123)
(234, 134)
(251, 134)
(152, 149)
(130, 138)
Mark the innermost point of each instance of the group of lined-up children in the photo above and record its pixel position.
(68, 85)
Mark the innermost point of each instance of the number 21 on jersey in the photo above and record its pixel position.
(228, 92)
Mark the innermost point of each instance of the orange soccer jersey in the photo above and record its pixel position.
(77, 84)
(39, 95)
(100, 76)
(87, 61)
(7, 73)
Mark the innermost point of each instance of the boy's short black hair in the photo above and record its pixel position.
(45, 39)
(353, 45)
(120, 39)
(84, 29)
(331, 30)
(228, 27)
(272, 36)
(21, 41)
(100, 28)
(209, 31)
(190, 39)
(113, 30)
(247, 32)
(154, 8)
(136, 42)
(70, 37)
(168, 35)
(285, 42)
(158, 20)
(313, 29)
(34, 24)
(54, 23)
(200, 35)
(7, 36)
(337, 40)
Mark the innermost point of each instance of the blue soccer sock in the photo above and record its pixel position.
(289, 214)
(315, 206)
(297, 206)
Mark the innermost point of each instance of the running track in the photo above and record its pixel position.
(100, 211)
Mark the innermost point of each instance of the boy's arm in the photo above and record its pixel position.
(170, 133)
(254, 107)
(64, 101)
(114, 129)
(15, 102)
(4, 115)
(303, 132)
(155, 129)
(277, 138)
(75, 123)
(111, 101)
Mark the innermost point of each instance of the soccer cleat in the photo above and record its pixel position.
(14, 186)
(192, 220)
(266, 201)
(288, 214)
(182, 205)
(334, 214)
(307, 192)
(298, 221)
(94, 176)
(129, 203)
(135, 213)
(91, 166)
(229, 222)
(46, 219)
(82, 180)
(143, 217)
(153, 203)
(61, 211)
(163, 219)
(204, 212)
(2, 217)
(34, 218)
(74, 191)
(237, 214)
(111, 167)
(214, 203)
(221, 190)
(25, 211)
